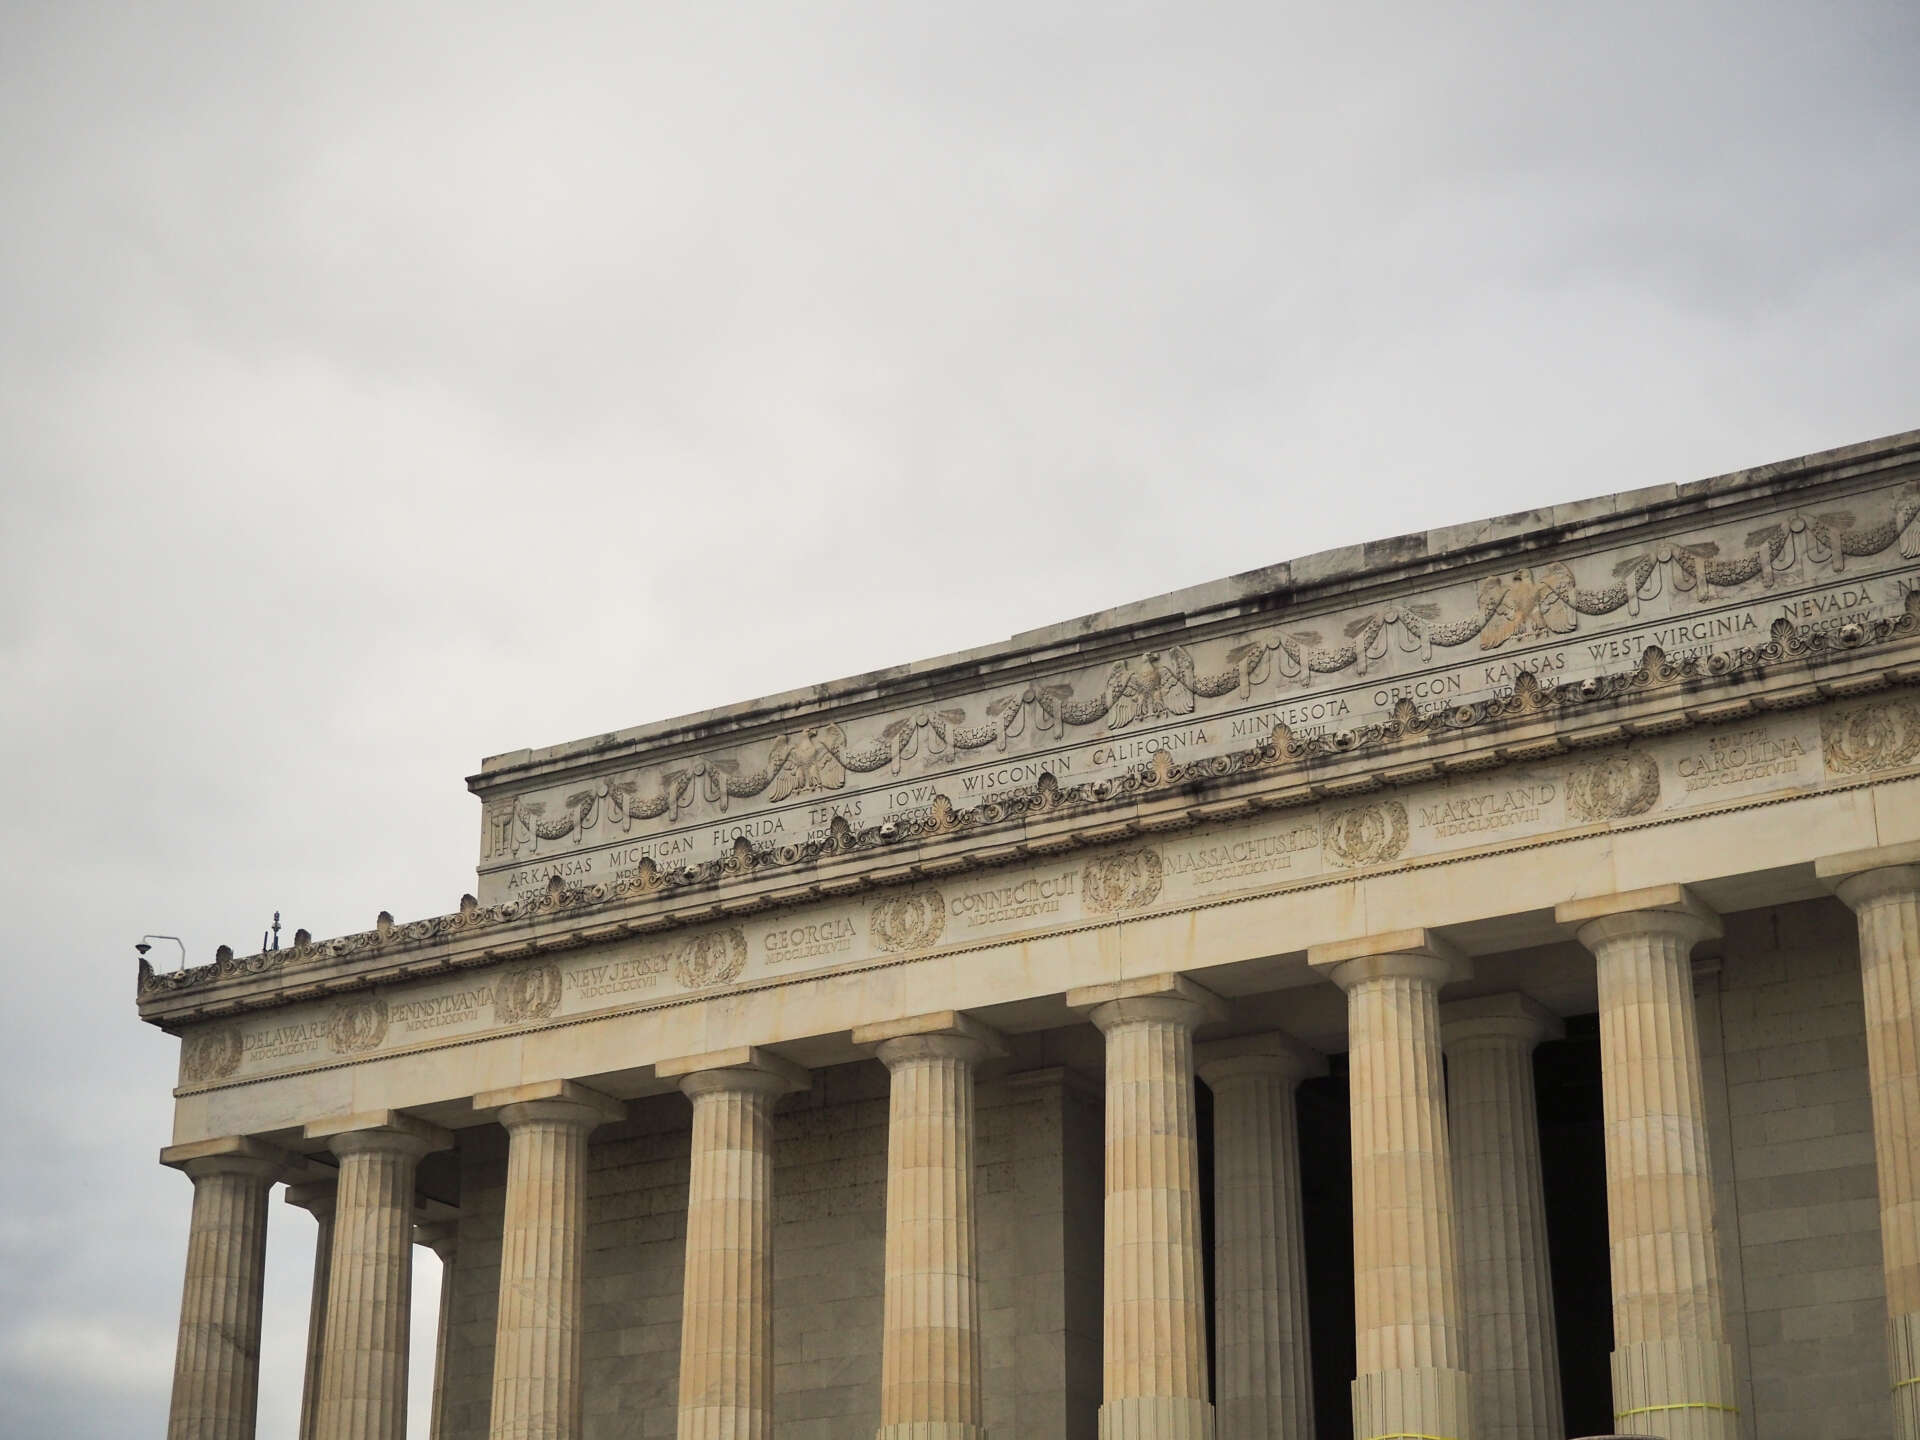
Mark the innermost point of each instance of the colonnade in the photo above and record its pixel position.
(1453, 1304)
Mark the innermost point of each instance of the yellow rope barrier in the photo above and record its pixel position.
(1910, 1380)
(1684, 1405)
(1408, 1435)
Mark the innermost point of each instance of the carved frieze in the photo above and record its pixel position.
(1127, 880)
(1613, 787)
(1584, 629)
(1757, 760)
(712, 957)
(1366, 834)
(1880, 735)
(357, 1024)
(1177, 720)
(909, 921)
(212, 1053)
(525, 992)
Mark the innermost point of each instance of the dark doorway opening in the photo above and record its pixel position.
(1566, 1076)
(1326, 1215)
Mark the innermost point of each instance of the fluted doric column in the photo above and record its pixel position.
(443, 1238)
(1155, 1324)
(726, 1325)
(1883, 888)
(1409, 1321)
(1672, 1367)
(1263, 1368)
(216, 1363)
(363, 1358)
(316, 1197)
(1505, 1281)
(930, 1368)
(536, 1347)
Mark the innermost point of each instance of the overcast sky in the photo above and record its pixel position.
(382, 387)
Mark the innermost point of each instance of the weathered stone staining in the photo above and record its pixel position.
(216, 1370)
(1883, 888)
(930, 1367)
(363, 1357)
(1408, 1311)
(726, 1333)
(1672, 1366)
(840, 1064)
(1154, 1336)
(536, 1348)
(1262, 1346)
(1505, 1278)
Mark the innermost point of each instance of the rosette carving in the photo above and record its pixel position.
(1876, 736)
(911, 921)
(1366, 834)
(526, 992)
(357, 1024)
(1613, 787)
(1128, 880)
(715, 957)
(211, 1054)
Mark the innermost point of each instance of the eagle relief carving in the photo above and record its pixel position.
(1532, 602)
(806, 761)
(1162, 686)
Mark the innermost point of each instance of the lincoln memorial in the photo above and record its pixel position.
(1460, 987)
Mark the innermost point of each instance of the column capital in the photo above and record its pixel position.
(1168, 997)
(938, 1033)
(739, 1067)
(440, 1236)
(1271, 1053)
(372, 1130)
(1510, 1016)
(228, 1155)
(1419, 954)
(1657, 910)
(317, 1197)
(560, 1100)
(1860, 877)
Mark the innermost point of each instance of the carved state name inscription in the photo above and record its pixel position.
(1819, 570)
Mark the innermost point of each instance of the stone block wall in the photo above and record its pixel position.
(1783, 1040)
(1039, 1180)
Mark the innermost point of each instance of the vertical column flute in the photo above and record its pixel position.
(1672, 1366)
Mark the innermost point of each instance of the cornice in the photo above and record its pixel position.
(1537, 720)
(1290, 593)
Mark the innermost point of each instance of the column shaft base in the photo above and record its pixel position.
(1430, 1403)
(1903, 1354)
(1156, 1417)
(1676, 1389)
(931, 1430)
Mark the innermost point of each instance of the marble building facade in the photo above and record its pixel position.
(1461, 987)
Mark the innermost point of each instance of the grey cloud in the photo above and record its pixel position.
(386, 386)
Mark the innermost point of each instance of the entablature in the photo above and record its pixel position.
(1699, 607)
